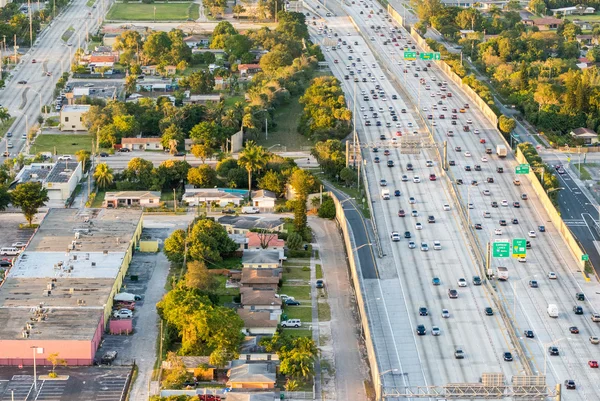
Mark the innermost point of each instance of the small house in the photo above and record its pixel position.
(258, 322)
(261, 278)
(132, 198)
(142, 143)
(264, 299)
(255, 375)
(248, 69)
(197, 196)
(544, 24)
(263, 199)
(195, 41)
(261, 259)
(71, 117)
(589, 136)
(253, 396)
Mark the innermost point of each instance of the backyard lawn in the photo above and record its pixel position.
(148, 12)
(585, 17)
(299, 292)
(304, 313)
(66, 144)
(296, 273)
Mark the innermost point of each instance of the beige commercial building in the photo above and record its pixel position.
(71, 117)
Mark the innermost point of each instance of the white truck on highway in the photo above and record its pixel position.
(552, 310)
(385, 194)
(501, 150)
(502, 273)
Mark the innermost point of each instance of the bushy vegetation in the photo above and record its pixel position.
(325, 114)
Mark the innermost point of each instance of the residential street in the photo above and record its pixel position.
(343, 343)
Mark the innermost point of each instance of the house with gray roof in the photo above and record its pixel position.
(132, 198)
(261, 259)
(197, 196)
(251, 375)
(243, 224)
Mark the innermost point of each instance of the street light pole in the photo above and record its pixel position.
(34, 348)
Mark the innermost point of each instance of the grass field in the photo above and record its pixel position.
(304, 313)
(296, 273)
(298, 332)
(66, 144)
(324, 312)
(4, 127)
(146, 12)
(299, 292)
(285, 133)
(586, 17)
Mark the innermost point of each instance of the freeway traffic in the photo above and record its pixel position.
(30, 86)
(406, 276)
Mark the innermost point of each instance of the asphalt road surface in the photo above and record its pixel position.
(51, 54)
(406, 274)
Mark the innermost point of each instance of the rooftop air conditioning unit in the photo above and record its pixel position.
(47, 293)
(25, 334)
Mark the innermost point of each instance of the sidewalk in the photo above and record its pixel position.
(341, 347)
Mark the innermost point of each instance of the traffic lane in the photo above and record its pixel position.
(575, 202)
(364, 247)
(426, 198)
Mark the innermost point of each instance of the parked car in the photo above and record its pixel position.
(291, 302)
(123, 314)
(320, 284)
(109, 357)
(291, 323)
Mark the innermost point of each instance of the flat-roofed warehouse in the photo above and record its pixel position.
(58, 296)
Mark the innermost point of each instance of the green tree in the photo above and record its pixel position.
(204, 328)
(537, 7)
(300, 217)
(327, 209)
(294, 241)
(272, 181)
(198, 276)
(4, 197)
(348, 175)
(237, 10)
(298, 360)
(252, 158)
(139, 171)
(176, 375)
(209, 241)
(275, 59)
(55, 360)
(203, 176)
(103, 175)
(174, 247)
(29, 196)
(173, 132)
(83, 156)
(130, 84)
(506, 124)
(203, 151)
(303, 182)
(199, 82)
(237, 45)
(171, 174)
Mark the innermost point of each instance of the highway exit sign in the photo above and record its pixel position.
(585, 257)
(410, 55)
(519, 247)
(522, 169)
(430, 56)
(501, 249)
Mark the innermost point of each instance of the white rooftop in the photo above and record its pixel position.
(61, 264)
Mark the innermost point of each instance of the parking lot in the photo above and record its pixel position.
(81, 384)
(11, 232)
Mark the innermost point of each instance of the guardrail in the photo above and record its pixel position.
(357, 285)
(555, 218)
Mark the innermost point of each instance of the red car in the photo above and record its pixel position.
(401, 213)
(482, 140)
(432, 177)
(593, 364)
(449, 94)
(398, 133)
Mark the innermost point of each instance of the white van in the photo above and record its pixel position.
(9, 251)
(552, 310)
(250, 210)
(385, 194)
(291, 323)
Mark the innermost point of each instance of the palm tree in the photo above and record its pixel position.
(252, 158)
(4, 114)
(238, 109)
(103, 175)
(230, 119)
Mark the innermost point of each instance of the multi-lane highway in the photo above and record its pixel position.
(49, 54)
(405, 282)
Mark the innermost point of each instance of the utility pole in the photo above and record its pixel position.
(354, 124)
(1, 65)
(30, 24)
(15, 38)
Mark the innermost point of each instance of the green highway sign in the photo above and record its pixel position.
(430, 56)
(519, 247)
(410, 55)
(522, 169)
(501, 249)
(585, 258)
